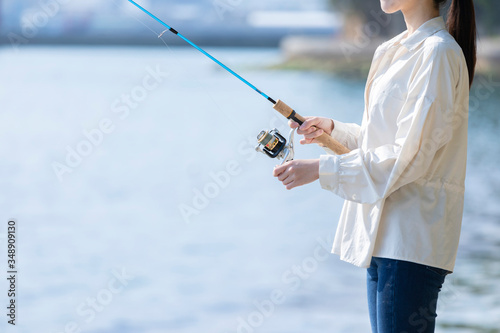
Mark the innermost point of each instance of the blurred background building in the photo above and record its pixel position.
(215, 22)
(333, 35)
(226, 22)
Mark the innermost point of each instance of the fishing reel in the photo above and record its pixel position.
(274, 145)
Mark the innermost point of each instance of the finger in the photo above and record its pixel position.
(309, 122)
(304, 128)
(288, 181)
(283, 177)
(314, 134)
(290, 186)
(279, 169)
(306, 131)
(306, 141)
(309, 138)
(293, 124)
(310, 130)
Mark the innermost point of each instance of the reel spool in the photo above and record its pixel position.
(274, 145)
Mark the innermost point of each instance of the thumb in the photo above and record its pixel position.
(279, 169)
(293, 124)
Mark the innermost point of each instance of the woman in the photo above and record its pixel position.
(403, 181)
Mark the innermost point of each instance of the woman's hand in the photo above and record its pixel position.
(297, 173)
(312, 128)
(301, 172)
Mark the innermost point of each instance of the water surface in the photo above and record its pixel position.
(248, 255)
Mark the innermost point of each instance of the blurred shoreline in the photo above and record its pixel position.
(331, 53)
(353, 57)
(232, 40)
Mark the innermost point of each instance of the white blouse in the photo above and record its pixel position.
(403, 181)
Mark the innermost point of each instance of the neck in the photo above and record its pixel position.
(415, 16)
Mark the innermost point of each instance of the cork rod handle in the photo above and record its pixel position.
(324, 140)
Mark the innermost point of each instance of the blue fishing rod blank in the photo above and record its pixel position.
(175, 32)
(323, 140)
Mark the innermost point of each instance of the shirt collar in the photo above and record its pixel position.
(427, 29)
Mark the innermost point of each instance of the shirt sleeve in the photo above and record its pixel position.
(345, 134)
(424, 125)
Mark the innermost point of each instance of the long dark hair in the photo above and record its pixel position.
(461, 24)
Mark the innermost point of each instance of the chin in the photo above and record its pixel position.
(389, 6)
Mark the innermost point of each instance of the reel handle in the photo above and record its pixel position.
(324, 140)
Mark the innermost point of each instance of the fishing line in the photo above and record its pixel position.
(272, 140)
(160, 36)
(175, 32)
(235, 124)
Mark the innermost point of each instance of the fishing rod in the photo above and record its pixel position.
(272, 143)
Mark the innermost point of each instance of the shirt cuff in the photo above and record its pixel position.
(329, 171)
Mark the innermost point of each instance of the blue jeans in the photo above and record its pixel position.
(402, 296)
